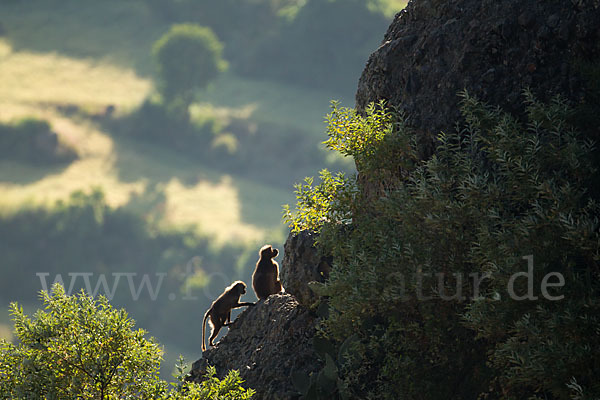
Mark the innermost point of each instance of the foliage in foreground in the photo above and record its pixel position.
(80, 347)
(408, 236)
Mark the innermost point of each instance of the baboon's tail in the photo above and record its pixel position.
(204, 330)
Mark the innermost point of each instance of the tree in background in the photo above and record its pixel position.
(321, 44)
(80, 347)
(188, 56)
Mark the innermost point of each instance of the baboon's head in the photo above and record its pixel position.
(239, 287)
(267, 252)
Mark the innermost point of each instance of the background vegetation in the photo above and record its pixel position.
(98, 175)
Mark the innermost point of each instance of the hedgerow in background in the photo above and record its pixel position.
(495, 191)
(81, 347)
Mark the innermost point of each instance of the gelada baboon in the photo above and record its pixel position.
(220, 310)
(265, 279)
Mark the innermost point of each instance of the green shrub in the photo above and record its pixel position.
(80, 347)
(496, 191)
(188, 58)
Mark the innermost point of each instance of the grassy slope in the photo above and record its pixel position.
(272, 102)
(92, 56)
(119, 32)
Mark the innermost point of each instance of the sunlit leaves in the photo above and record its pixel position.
(80, 347)
(320, 203)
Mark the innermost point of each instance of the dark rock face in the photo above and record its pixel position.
(266, 344)
(302, 264)
(494, 49)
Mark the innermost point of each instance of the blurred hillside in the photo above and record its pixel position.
(98, 180)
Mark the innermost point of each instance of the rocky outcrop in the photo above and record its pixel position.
(302, 264)
(494, 49)
(273, 339)
(266, 344)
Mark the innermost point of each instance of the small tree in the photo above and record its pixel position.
(80, 347)
(188, 57)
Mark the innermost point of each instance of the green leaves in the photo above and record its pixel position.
(79, 346)
(212, 388)
(497, 189)
(371, 139)
(82, 346)
(325, 383)
(321, 203)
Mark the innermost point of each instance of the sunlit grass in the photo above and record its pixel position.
(199, 112)
(114, 31)
(271, 102)
(21, 183)
(227, 208)
(127, 170)
(81, 175)
(52, 79)
(198, 203)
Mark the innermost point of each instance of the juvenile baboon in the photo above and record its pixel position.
(265, 279)
(220, 310)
